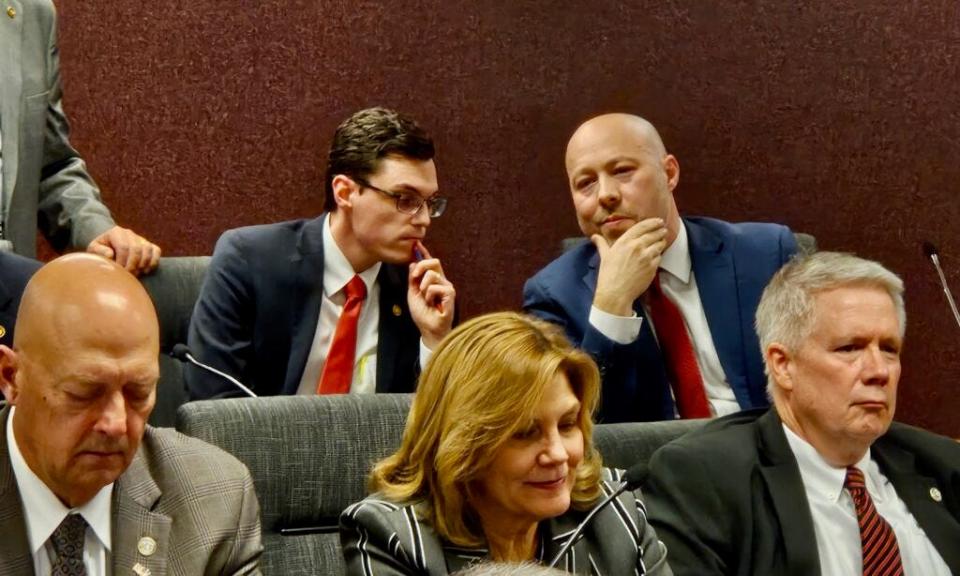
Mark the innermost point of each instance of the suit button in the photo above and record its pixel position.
(11, 12)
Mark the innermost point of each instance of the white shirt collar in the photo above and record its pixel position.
(337, 271)
(43, 510)
(819, 475)
(676, 258)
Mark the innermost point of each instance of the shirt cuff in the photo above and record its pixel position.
(425, 354)
(620, 329)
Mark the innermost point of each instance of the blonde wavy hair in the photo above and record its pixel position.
(482, 385)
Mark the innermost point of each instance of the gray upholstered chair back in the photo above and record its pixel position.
(629, 443)
(310, 456)
(174, 287)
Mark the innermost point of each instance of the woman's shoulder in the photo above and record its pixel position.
(397, 529)
(377, 507)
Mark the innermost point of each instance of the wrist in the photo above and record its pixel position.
(614, 304)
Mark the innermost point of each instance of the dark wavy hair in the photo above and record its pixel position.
(365, 138)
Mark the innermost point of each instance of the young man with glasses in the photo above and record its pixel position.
(350, 301)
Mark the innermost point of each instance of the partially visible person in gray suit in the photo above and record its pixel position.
(86, 487)
(44, 180)
(497, 464)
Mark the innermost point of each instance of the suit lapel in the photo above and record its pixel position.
(307, 296)
(914, 489)
(393, 314)
(14, 544)
(716, 279)
(785, 486)
(135, 526)
(11, 89)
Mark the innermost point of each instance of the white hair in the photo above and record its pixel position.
(786, 310)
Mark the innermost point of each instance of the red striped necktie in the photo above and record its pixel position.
(338, 369)
(678, 356)
(881, 554)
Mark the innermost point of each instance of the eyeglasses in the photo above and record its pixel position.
(410, 203)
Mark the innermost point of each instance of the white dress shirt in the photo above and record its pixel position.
(337, 273)
(835, 515)
(44, 512)
(680, 286)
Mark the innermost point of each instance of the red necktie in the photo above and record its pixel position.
(678, 356)
(338, 369)
(881, 555)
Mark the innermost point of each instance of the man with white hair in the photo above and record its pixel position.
(824, 482)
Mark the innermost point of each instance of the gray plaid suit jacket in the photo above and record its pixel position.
(196, 501)
(43, 175)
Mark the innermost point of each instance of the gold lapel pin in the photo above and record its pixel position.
(936, 495)
(11, 12)
(3, 331)
(141, 570)
(396, 311)
(147, 546)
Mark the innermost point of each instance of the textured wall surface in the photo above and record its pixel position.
(839, 119)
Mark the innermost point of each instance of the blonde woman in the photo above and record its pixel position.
(497, 463)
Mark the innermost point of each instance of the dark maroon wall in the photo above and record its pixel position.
(838, 119)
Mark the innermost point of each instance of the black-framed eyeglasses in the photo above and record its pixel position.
(410, 203)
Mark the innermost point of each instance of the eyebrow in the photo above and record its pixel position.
(404, 187)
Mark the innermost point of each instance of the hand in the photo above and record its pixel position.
(627, 266)
(130, 250)
(430, 297)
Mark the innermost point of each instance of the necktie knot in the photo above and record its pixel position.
(68, 542)
(355, 289)
(854, 479)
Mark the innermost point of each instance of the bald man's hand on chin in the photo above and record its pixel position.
(628, 265)
(128, 249)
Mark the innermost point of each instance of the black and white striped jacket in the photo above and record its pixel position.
(385, 538)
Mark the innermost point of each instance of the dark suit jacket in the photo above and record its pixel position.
(729, 499)
(45, 177)
(196, 501)
(259, 306)
(732, 263)
(383, 538)
(15, 272)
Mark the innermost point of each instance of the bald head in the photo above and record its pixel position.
(82, 375)
(634, 129)
(83, 291)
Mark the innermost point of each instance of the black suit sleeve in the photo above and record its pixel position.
(684, 504)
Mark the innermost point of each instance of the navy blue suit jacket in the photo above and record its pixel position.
(15, 272)
(259, 306)
(732, 263)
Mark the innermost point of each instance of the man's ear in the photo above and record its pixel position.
(343, 186)
(778, 360)
(9, 365)
(672, 167)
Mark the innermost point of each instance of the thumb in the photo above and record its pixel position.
(602, 245)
